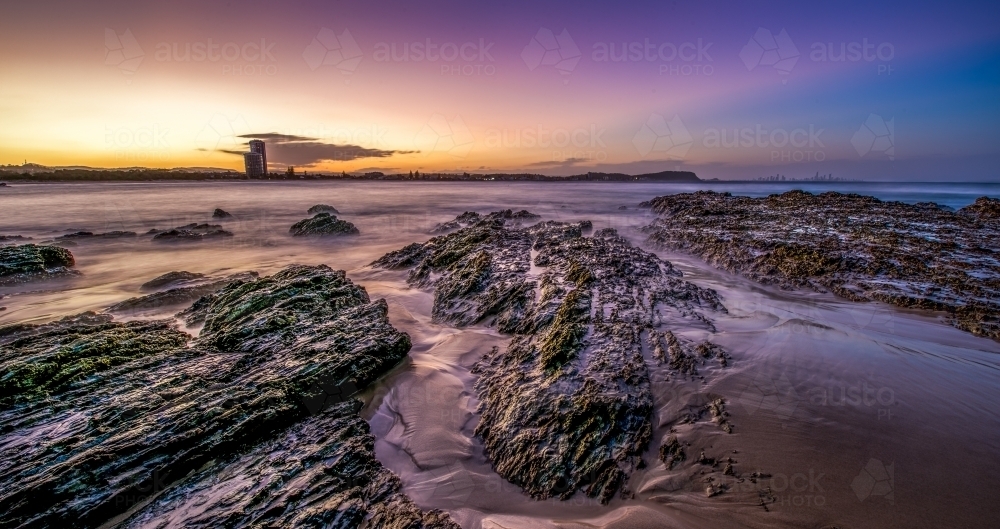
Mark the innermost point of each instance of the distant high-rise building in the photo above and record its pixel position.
(254, 162)
(257, 146)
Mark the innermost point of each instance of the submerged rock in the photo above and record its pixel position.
(191, 232)
(161, 425)
(170, 279)
(13, 239)
(30, 261)
(220, 213)
(323, 224)
(176, 296)
(92, 235)
(323, 208)
(855, 246)
(567, 405)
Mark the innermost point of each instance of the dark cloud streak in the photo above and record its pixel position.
(303, 151)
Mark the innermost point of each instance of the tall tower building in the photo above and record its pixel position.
(254, 163)
(257, 146)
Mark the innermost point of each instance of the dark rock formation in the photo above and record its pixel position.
(567, 405)
(29, 262)
(984, 208)
(92, 235)
(170, 279)
(176, 296)
(323, 224)
(131, 421)
(855, 246)
(191, 232)
(323, 208)
(220, 213)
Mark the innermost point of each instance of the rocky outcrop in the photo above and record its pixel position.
(190, 232)
(567, 405)
(471, 217)
(323, 208)
(138, 419)
(858, 247)
(985, 208)
(13, 239)
(323, 224)
(220, 213)
(28, 262)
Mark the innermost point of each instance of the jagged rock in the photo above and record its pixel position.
(671, 452)
(332, 454)
(471, 217)
(168, 424)
(323, 208)
(567, 405)
(30, 262)
(176, 296)
(191, 232)
(855, 246)
(220, 213)
(323, 224)
(170, 279)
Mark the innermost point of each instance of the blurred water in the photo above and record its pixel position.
(941, 428)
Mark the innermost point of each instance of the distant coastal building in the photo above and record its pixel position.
(257, 146)
(254, 162)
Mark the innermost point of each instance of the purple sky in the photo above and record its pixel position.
(727, 89)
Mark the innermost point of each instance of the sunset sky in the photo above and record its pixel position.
(727, 89)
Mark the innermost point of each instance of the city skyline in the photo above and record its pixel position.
(736, 91)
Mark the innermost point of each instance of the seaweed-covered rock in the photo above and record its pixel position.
(56, 357)
(191, 232)
(855, 246)
(323, 208)
(30, 261)
(323, 224)
(220, 213)
(150, 432)
(567, 405)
